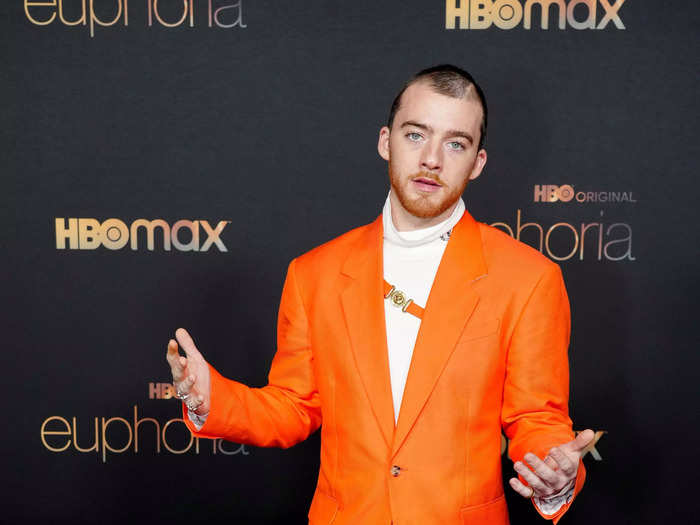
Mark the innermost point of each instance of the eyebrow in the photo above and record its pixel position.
(449, 133)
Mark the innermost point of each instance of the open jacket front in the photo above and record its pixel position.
(491, 355)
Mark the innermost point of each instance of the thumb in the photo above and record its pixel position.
(582, 440)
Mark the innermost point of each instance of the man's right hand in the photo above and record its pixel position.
(190, 374)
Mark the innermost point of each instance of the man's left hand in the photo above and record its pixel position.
(556, 471)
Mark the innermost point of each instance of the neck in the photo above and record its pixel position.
(404, 221)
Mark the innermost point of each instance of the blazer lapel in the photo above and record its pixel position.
(363, 306)
(450, 304)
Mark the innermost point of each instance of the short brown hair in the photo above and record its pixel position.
(451, 81)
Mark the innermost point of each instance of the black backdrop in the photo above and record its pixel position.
(271, 125)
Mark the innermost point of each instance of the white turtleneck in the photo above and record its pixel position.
(411, 260)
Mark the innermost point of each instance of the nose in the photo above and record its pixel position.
(431, 156)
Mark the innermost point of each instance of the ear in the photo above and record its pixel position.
(383, 143)
(479, 164)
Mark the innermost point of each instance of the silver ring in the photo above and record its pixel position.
(182, 395)
(193, 406)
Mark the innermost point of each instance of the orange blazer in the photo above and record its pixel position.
(491, 355)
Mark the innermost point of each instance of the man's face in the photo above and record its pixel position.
(432, 150)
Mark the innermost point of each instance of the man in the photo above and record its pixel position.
(414, 340)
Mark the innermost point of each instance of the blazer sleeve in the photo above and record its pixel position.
(286, 410)
(535, 413)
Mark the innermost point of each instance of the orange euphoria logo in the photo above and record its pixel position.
(114, 234)
(507, 14)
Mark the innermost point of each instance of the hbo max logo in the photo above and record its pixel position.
(508, 14)
(114, 234)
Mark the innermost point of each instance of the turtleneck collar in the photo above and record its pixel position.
(423, 235)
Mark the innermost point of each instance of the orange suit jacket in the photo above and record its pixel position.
(491, 355)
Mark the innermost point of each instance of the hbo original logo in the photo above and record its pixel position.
(552, 193)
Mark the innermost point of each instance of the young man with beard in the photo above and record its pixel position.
(414, 340)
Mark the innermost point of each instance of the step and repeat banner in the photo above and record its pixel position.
(164, 160)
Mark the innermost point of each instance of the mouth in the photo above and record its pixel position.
(426, 184)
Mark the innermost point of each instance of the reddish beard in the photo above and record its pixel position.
(428, 205)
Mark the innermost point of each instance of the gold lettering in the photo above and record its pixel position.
(167, 391)
(584, 229)
(237, 22)
(94, 447)
(137, 423)
(187, 8)
(150, 233)
(165, 442)
(213, 236)
(89, 232)
(154, 390)
(94, 19)
(573, 250)
(521, 228)
(541, 193)
(114, 234)
(589, 22)
(193, 226)
(81, 20)
(28, 4)
(480, 14)
(611, 14)
(105, 445)
(452, 12)
(506, 14)
(627, 240)
(45, 433)
(544, 6)
(63, 233)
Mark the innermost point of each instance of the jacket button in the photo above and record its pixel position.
(395, 470)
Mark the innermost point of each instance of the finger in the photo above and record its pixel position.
(172, 348)
(172, 353)
(186, 343)
(532, 479)
(565, 464)
(544, 472)
(551, 462)
(185, 386)
(520, 488)
(177, 367)
(582, 440)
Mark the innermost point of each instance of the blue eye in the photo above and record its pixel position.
(415, 137)
(456, 146)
